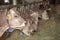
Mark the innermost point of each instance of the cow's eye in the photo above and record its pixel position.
(16, 16)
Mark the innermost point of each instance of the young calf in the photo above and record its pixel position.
(43, 12)
(14, 19)
(17, 22)
(31, 18)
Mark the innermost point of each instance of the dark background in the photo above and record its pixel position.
(19, 1)
(55, 1)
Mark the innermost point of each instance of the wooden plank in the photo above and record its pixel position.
(3, 29)
(3, 23)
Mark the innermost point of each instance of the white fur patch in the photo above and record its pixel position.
(45, 16)
(12, 11)
(18, 26)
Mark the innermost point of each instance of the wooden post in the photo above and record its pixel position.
(14, 2)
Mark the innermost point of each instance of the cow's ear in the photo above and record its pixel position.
(12, 11)
(8, 17)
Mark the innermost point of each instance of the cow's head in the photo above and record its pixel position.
(15, 19)
(31, 22)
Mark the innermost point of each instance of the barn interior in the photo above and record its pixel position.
(47, 29)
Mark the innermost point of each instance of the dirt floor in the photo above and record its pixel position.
(48, 30)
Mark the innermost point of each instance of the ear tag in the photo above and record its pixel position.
(8, 17)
